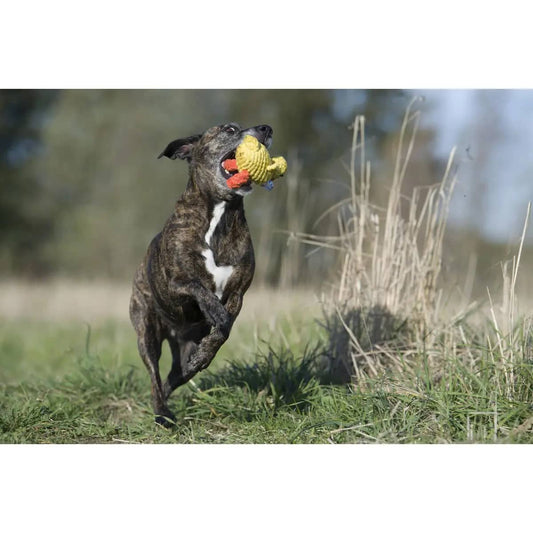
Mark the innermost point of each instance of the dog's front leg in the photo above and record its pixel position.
(212, 342)
(234, 304)
(220, 318)
(211, 307)
(215, 315)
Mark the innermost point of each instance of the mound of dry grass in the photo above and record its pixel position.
(384, 309)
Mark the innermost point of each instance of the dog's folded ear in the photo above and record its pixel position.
(180, 148)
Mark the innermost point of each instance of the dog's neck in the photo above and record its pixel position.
(210, 195)
(204, 182)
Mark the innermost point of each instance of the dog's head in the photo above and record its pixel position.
(206, 153)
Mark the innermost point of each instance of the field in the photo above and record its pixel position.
(70, 373)
(385, 356)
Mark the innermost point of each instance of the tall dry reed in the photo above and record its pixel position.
(387, 289)
(384, 307)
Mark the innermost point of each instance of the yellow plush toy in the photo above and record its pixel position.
(253, 162)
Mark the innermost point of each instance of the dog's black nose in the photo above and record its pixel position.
(263, 133)
(265, 129)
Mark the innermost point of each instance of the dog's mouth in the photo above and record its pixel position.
(228, 166)
(224, 165)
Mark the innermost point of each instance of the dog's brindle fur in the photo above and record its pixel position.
(190, 286)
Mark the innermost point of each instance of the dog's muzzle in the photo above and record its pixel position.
(263, 133)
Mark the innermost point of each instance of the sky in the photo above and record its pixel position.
(501, 121)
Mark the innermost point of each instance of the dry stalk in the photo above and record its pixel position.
(508, 333)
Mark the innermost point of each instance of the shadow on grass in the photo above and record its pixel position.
(275, 379)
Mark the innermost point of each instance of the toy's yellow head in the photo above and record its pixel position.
(253, 156)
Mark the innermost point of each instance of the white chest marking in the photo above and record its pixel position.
(220, 274)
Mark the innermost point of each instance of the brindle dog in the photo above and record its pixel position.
(190, 286)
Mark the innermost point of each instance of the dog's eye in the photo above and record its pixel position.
(230, 129)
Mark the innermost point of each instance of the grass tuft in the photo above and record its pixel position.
(386, 295)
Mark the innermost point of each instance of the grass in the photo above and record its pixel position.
(278, 396)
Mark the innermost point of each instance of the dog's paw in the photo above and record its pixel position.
(167, 420)
(219, 319)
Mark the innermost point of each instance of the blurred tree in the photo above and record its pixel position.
(95, 194)
(103, 148)
(26, 221)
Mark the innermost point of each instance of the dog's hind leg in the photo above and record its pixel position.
(181, 351)
(198, 357)
(149, 340)
(150, 351)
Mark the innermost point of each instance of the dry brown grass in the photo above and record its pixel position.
(63, 300)
(385, 307)
(387, 289)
